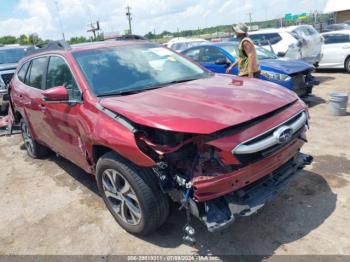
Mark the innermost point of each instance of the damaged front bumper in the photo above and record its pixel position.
(222, 211)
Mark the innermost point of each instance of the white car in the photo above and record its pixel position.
(294, 42)
(180, 44)
(336, 50)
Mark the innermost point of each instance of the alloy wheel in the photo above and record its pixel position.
(121, 197)
(27, 138)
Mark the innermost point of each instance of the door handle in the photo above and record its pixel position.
(346, 47)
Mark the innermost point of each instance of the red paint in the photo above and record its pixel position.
(58, 93)
(201, 107)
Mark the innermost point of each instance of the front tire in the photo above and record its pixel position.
(34, 149)
(131, 194)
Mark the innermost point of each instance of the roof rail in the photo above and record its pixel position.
(50, 46)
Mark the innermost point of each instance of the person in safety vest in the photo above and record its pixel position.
(247, 60)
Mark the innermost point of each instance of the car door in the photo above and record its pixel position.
(30, 97)
(335, 50)
(62, 119)
(214, 59)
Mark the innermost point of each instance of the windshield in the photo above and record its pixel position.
(121, 69)
(9, 56)
(261, 52)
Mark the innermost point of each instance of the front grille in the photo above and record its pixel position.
(250, 156)
(7, 78)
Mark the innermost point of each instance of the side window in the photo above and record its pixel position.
(193, 54)
(59, 74)
(266, 39)
(35, 75)
(211, 55)
(22, 72)
(336, 39)
(311, 30)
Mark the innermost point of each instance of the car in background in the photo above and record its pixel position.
(294, 42)
(9, 57)
(292, 74)
(154, 130)
(180, 44)
(336, 50)
(336, 27)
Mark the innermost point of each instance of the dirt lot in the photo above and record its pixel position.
(52, 207)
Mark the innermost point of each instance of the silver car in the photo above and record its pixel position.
(9, 57)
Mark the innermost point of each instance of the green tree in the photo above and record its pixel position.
(7, 40)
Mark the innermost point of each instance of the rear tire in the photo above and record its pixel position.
(347, 65)
(34, 149)
(132, 194)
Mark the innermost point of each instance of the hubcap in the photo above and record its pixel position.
(27, 138)
(121, 197)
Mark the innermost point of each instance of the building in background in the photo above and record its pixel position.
(340, 8)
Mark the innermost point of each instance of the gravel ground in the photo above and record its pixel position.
(52, 207)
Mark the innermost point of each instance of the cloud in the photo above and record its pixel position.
(40, 16)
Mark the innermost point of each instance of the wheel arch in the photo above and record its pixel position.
(100, 150)
(346, 59)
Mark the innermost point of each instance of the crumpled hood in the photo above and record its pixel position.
(201, 106)
(285, 66)
(4, 67)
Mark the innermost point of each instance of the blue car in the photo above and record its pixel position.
(292, 74)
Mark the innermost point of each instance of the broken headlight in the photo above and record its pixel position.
(275, 76)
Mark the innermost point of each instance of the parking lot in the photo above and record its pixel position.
(52, 207)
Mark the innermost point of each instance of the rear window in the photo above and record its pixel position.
(336, 38)
(266, 39)
(36, 73)
(22, 72)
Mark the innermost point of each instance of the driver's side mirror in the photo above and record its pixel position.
(281, 54)
(56, 94)
(222, 61)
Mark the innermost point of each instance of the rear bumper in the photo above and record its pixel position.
(249, 199)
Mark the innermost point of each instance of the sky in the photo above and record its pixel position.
(42, 16)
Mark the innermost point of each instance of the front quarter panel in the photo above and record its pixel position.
(112, 134)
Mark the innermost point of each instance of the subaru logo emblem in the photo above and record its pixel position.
(283, 134)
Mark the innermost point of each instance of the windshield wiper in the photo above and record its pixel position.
(135, 91)
(119, 93)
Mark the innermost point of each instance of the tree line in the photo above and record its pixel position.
(34, 39)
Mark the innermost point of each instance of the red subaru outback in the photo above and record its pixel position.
(150, 124)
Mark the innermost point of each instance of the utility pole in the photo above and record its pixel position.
(60, 21)
(250, 19)
(128, 14)
(94, 28)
